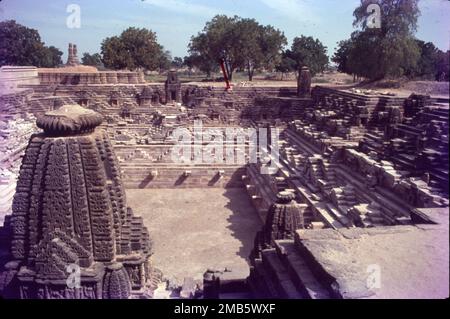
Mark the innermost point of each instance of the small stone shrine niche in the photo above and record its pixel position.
(146, 96)
(173, 88)
(114, 99)
(70, 216)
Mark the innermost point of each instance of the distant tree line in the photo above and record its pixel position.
(305, 51)
(20, 45)
(135, 48)
(386, 51)
(243, 44)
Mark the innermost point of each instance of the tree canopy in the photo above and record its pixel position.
(134, 49)
(201, 55)
(164, 60)
(177, 62)
(392, 49)
(387, 51)
(342, 55)
(443, 66)
(310, 52)
(428, 64)
(92, 59)
(240, 43)
(20, 45)
(286, 65)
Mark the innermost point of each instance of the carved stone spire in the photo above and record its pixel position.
(304, 82)
(69, 120)
(70, 210)
(72, 58)
(283, 218)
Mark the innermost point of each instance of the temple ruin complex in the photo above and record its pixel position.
(355, 181)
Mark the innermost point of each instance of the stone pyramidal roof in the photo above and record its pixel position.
(70, 211)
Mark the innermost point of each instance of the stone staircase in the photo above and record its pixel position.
(284, 273)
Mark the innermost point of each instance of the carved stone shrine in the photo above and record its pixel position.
(71, 234)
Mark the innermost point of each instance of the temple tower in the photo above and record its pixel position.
(283, 218)
(71, 234)
(304, 83)
(72, 59)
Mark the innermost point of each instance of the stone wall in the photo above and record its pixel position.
(107, 77)
(11, 77)
(212, 103)
(166, 176)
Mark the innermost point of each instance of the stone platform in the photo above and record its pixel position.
(396, 262)
(199, 229)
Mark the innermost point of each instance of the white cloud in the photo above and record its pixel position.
(300, 10)
(184, 6)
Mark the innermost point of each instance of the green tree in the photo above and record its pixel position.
(204, 64)
(216, 42)
(272, 43)
(202, 55)
(247, 35)
(310, 52)
(240, 43)
(20, 45)
(427, 66)
(92, 59)
(165, 61)
(364, 56)
(177, 62)
(392, 47)
(443, 66)
(50, 57)
(134, 49)
(341, 56)
(259, 46)
(115, 55)
(286, 65)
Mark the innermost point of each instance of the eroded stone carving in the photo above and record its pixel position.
(70, 209)
(72, 59)
(304, 82)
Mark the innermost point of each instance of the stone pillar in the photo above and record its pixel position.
(133, 78)
(112, 77)
(122, 77)
(103, 78)
(304, 83)
(84, 79)
(58, 78)
(211, 284)
(141, 77)
(97, 78)
(72, 58)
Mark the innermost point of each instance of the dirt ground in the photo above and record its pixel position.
(345, 81)
(196, 229)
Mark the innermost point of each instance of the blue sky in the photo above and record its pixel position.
(175, 21)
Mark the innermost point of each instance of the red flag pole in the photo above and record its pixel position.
(225, 74)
